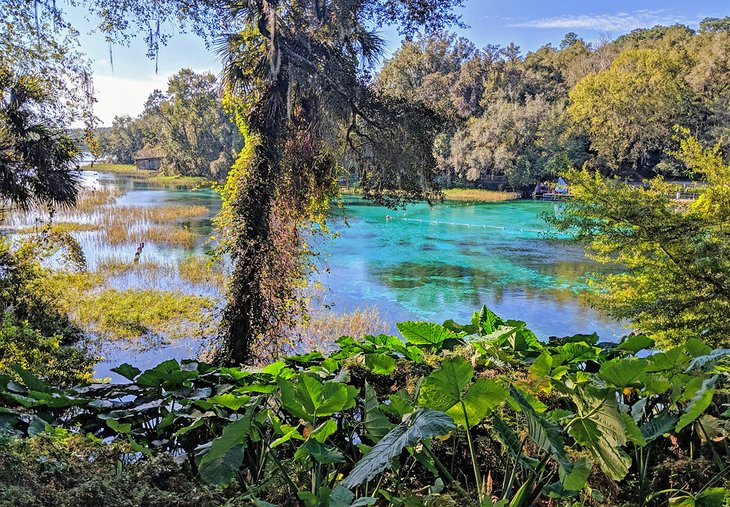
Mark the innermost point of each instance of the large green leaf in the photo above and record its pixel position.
(343, 497)
(707, 360)
(600, 428)
(482, 397)
(418, 426)
(444, 390)
(546, 434)
(380, 364)
(635, 343)
(376, 424)
(127, 371)
(623, 372)
(486, 321)
(425, 333)
(658, 426)
(220, 464)
(698, 404)
(308, 398)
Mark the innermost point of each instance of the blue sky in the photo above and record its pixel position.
(527, 23)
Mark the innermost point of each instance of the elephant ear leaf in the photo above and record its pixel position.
(418, 426)
(425, 333)
(698, 404)
(545, 433)
(600, 428)
(224, 457)
(375, 422)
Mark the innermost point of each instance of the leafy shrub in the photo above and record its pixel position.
(22, 345)
(476, 414)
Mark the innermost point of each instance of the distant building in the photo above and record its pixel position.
(148, 159)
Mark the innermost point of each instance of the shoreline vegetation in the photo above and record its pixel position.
(450, 194)
(156, 177)
(462, 194)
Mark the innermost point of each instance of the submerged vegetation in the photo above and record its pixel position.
(395, 421)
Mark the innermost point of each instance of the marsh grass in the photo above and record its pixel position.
(58, 228)
(126, 314)
(201, 271)
(323, 327)
(118, 169)
(116, 265)
(189, 182)
(478, 195)
(90, 199)
(159, 224)
(182, 237)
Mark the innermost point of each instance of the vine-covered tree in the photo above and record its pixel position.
(297, 78)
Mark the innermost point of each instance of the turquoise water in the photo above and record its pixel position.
(445, 261)
(427, 262)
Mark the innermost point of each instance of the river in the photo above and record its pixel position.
(426, 262)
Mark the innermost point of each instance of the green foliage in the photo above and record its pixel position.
(536, 415)
(23, 345)
(674, 255)
(38, 156)
(630, 108)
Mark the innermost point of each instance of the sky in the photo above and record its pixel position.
(123, 87)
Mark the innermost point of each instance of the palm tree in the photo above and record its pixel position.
(297, 75)
(37, 158)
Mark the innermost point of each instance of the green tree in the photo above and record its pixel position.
(119, 143)
(37, 154)
(630, 109)
(190, 127)
(675, 256)
(294, 77)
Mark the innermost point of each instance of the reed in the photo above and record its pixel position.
(118, 169)
(58, 228)
(201, 271)
(172, 237)
(323, 327)
(90, 199)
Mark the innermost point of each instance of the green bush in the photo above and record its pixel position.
(22, 345)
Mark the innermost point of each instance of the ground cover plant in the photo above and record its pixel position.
(476, 414)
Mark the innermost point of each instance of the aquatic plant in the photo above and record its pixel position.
(133, 313)
(201, 270)
(455, 414)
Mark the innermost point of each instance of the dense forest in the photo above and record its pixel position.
(611, 104)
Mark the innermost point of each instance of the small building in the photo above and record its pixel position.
(148, 159)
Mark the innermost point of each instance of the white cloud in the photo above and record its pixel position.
(117, 96)
(619, 22)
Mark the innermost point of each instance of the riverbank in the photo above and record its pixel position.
(462, 194)
(155, 177)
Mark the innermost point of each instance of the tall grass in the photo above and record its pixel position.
(90, 199)
(323, 326)
(201, 271)
(172, 237)
(478, 195)
(133, 313)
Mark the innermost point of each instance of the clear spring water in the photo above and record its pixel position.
(427, 262)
